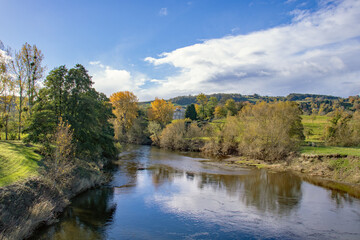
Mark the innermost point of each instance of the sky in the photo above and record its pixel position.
(172, 48)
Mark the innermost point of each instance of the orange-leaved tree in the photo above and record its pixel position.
(125, 108)
(161, 111)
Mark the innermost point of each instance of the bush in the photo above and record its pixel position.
(344, 130)
(181, 135)
(271, 131)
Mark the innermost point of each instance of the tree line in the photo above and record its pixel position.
(262, 130)
(66, 108)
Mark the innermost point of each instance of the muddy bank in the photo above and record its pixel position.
(337, 172)
(26, 205)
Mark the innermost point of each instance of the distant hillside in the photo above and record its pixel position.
(222, 97)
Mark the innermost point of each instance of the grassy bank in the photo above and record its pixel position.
(329, 150)
(17, 162)
(29, 197)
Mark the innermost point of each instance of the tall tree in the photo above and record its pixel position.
(201, 100)
(161, 111)
(18, 69)
(210, 107)
(7, 91)
(191, 112)
(32, 58)
(125, 108)
(68, 94)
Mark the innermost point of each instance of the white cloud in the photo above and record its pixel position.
(109, 80)
(317, 53)
(163, 12)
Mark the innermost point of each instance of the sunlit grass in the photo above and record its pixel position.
(17, 161)
(327, 150)
(314, 127)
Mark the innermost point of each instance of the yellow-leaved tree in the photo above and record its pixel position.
(161, 111)
(125, 108)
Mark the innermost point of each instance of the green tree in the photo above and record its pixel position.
(32, 58)
(68, 94)
(201, 100)
(191, 112)
(230, 105)
(210, 107)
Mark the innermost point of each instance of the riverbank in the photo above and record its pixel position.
(334, 171)
(30, 203)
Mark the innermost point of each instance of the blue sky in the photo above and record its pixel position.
(170, 48)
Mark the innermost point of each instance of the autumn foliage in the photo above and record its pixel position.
(125, 108)
(161, 111)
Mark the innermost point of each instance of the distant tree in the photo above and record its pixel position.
(191, 112)
(125, 108)
(220, 111)
(230, 105)
(343, 130)
(210, 107)
(161, 111)
(155, 130)
(201, 100)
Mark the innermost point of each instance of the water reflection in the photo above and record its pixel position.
(164, 195)
(85, 218)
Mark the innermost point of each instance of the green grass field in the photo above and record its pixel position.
(326, 150)
(314, 127)
(17, 162)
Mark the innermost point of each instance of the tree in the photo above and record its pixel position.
(230, 106)
(7, 91)
(64, 152)
(220, 111)
(32, 58)
(270, 131)
(191, 112)
(68, 95)
(125, 108)
(18, 69)
(161, 111)
(201, 100)
(210, 107)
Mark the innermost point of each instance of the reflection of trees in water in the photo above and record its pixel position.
(268, 192)
(162, 174)
(84, 218)
(273, 192)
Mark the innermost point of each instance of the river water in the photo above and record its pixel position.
(157, 194)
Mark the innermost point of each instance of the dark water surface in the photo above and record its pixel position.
(178, 197)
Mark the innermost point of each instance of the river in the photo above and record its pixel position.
(157, 194)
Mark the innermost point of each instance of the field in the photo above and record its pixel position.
(314, 127)
(17, 162)
(328, 150)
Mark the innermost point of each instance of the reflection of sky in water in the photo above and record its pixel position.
(314, 218)
(178, 197)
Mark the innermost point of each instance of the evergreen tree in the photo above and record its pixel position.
(191, 112)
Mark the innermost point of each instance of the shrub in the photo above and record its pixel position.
(344, 130)
(270, 130)
(181, 135)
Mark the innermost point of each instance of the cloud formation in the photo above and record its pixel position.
(317, 53)
(109, 80)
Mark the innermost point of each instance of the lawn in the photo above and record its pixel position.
(17, 161)
(326, 150)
